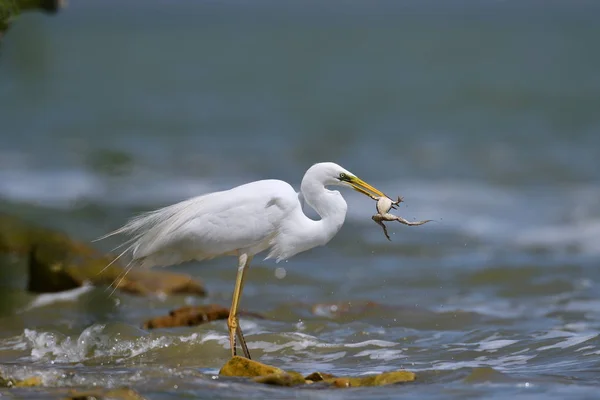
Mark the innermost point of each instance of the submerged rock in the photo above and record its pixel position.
(193, 315)
(27, 382)
(57, 263)
(385, 378)
(267, 374)
(281, 379)
(486, 374)
(100, 394)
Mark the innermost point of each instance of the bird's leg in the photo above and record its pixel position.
(240, 336)
(233, 322)
(239, 332)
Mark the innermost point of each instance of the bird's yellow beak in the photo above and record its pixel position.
(363, 187)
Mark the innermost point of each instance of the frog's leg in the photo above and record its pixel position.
(377, 218)
(409, 223)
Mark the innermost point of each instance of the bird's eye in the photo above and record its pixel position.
(343, 176)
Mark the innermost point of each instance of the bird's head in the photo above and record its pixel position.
(330, 173)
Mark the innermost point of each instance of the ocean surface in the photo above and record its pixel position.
(484, 115)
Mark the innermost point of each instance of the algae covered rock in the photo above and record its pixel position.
(57, 262)
(240, 366)
(193, 315)
(318, 376)
(267, 374)
(385, 378)
(281, 379)
(99, 394)
(27, 382)
(486, 374)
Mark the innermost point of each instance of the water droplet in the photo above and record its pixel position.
(280, 273)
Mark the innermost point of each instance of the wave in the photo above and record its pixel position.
(47, 299)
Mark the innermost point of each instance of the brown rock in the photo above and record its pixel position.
(57, 263)
(188, 316)
(193, 315)
(318, 376)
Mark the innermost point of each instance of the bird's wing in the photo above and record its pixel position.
(243, 218)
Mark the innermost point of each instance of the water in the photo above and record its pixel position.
(483, 115)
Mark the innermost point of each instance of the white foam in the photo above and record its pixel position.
(46, 299)
(295, 345)
(93, 343)
(373, 342)
(381, 354)
(494, 345)
(585, 348)
(501, 363)
(62, 348)
(574, 340)
(592, 353)
(13, 344)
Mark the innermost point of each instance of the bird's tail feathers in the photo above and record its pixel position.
(134, 225)
(115, 259)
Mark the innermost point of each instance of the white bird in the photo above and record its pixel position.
(242, 222)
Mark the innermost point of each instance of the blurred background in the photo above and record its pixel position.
(484, 115)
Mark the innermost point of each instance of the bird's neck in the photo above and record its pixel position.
(299, 233)
(331, 207)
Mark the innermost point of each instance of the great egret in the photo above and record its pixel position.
(242, 222)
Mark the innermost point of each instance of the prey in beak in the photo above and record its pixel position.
(363, 187)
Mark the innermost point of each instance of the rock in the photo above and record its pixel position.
(100, 394)
(282, 379)
(73, 394)
(27, 382)
(318, 377)
(267, 374)
(193, 315)
(386, 378)
(486, 374)
(240, 366)
(57, 263)
(341, 382)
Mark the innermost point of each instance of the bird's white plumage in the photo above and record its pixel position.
(243, 221)
(251, 218)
